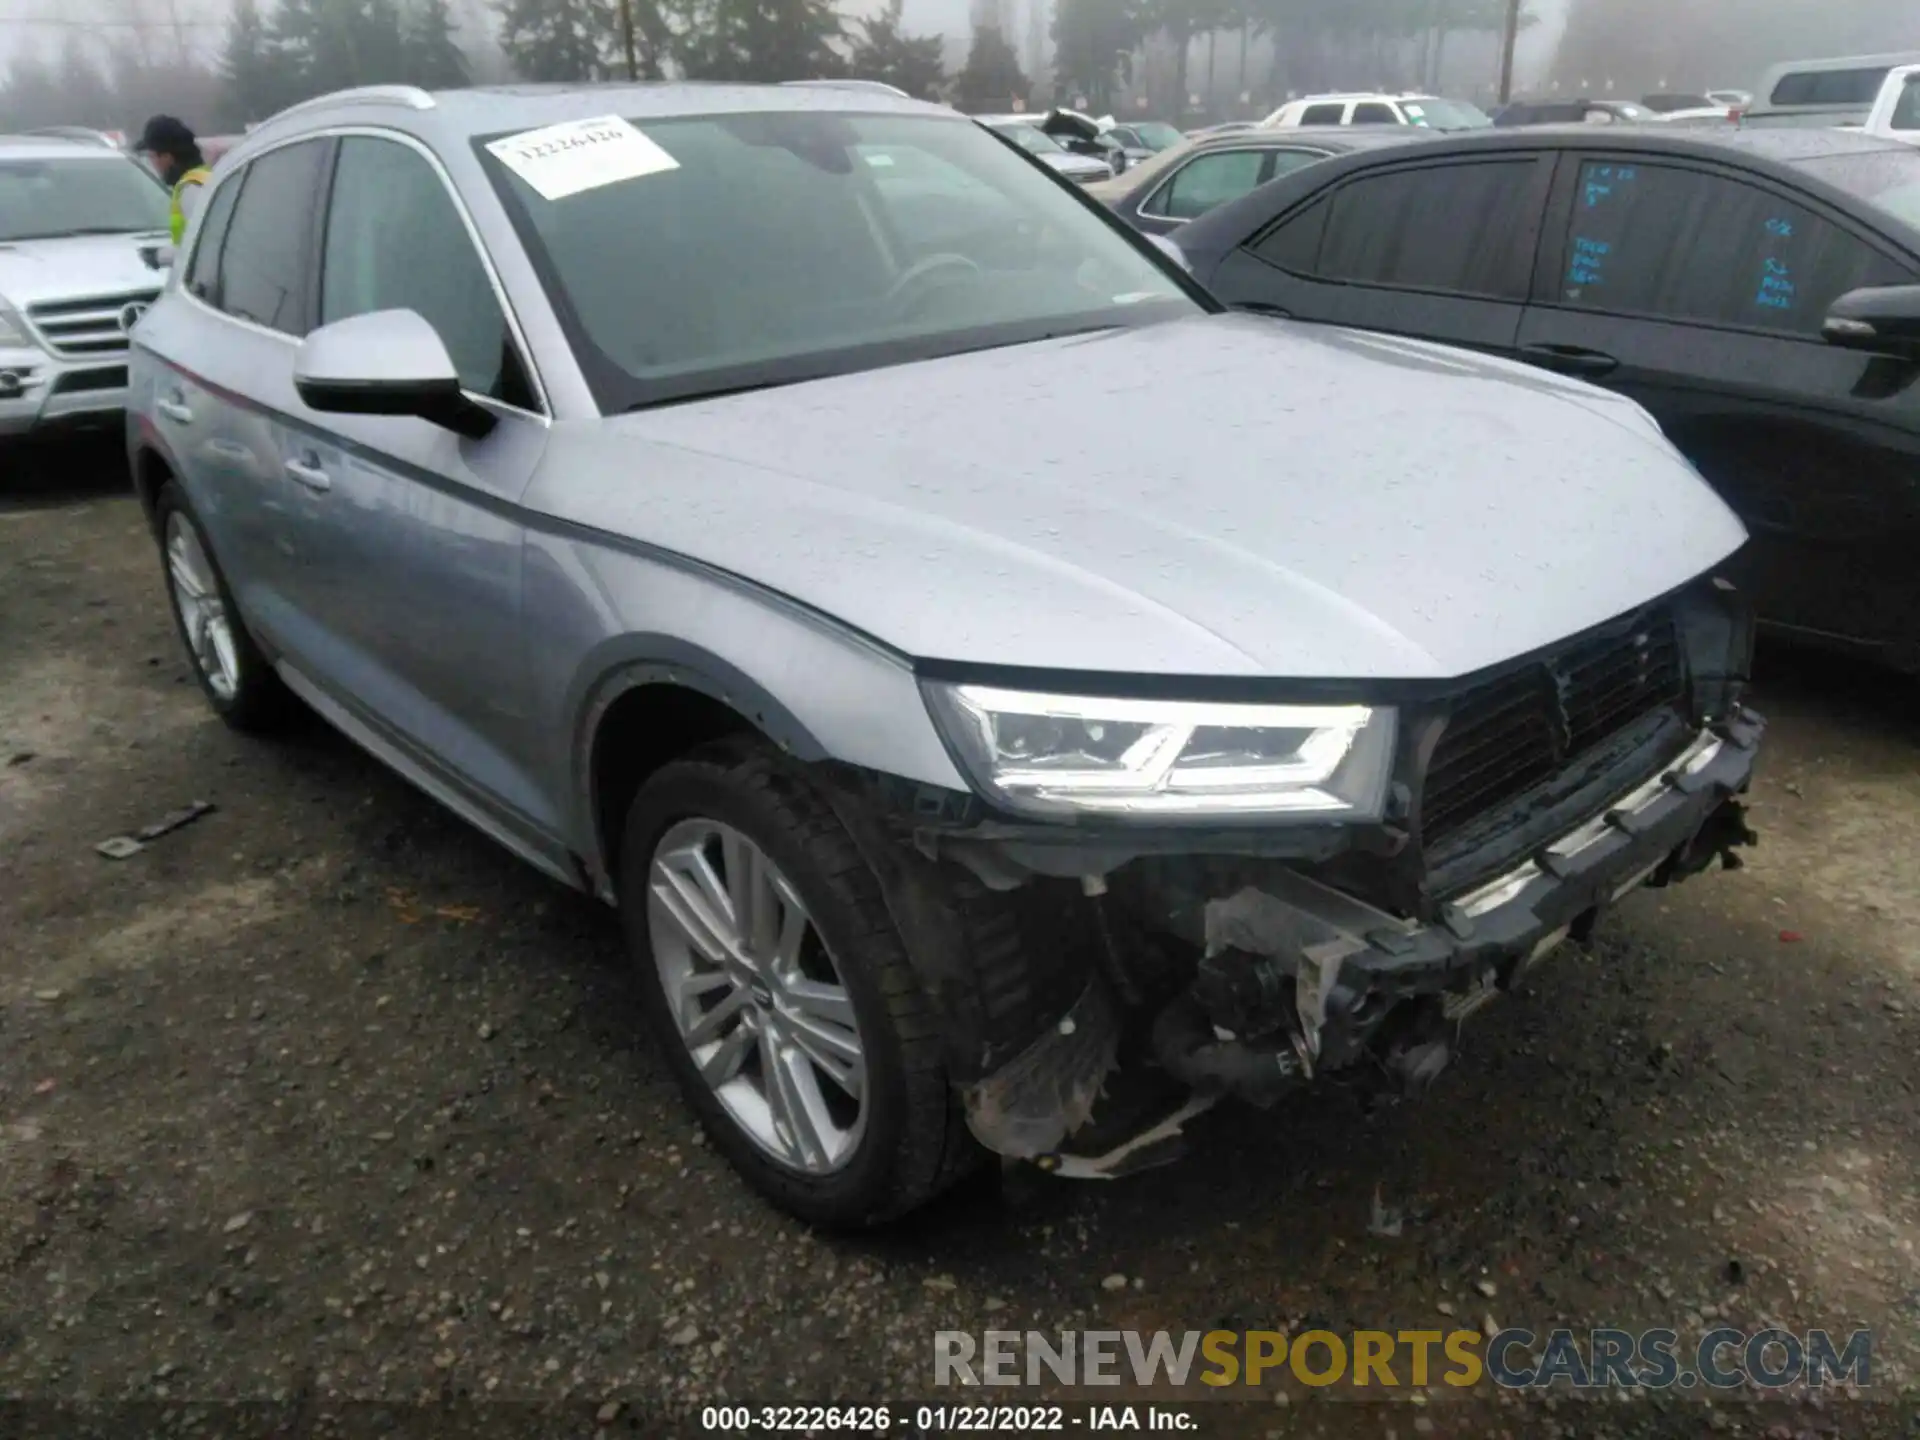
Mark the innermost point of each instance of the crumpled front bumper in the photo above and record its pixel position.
(1299, 979)
(1349, 957)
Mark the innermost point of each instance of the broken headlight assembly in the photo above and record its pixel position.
(1058, 757)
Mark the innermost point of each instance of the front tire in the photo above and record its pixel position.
(782, 993)
(234, 676)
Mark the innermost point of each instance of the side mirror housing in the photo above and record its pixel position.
(158, 257)
(1883, 319)
(389, 362)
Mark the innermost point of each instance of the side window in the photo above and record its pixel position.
(203, 271)
(1323, 114)
(1294, 244)
(1285, 162)
(1459, 228)
(1210, 180)
(1687, 245)
(395, 240)
(264, 262)
(1598, 117)
(1372, 112)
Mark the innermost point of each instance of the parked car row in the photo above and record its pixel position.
(694, 490)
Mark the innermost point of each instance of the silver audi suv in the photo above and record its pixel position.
(1012, 703)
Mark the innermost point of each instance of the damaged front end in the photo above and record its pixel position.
(1104, 982)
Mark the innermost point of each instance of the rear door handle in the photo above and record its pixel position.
(310, 475)
(1571, 359)
(175, 410)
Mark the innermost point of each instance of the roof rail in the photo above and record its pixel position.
(411, 96)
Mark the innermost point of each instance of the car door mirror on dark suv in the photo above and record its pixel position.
(389, 362)
(1884, 319)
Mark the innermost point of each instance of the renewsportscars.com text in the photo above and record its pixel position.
(1514, 1358)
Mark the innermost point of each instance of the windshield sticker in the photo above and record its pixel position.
(1415, 110)
(563, 160)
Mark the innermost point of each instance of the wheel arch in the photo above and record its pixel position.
(654, 699)
(151, 471)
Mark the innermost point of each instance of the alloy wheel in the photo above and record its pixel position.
(203, 614)
(756, 996)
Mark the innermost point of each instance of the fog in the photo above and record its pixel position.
(1618, 46)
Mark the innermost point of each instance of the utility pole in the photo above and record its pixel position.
(626, 39)
(1506, 50)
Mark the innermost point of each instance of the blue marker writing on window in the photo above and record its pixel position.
(1782, 228)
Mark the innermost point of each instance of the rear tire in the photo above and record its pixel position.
(705, 835)
(236, 678)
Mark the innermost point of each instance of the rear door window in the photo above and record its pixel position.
(1323, 114)
(1207, 181)
(1461, 228)
(1673, 243)
(265, 262)
(1372, 112)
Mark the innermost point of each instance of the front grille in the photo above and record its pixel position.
(1510, 734)
(97, 325)
(114, 377)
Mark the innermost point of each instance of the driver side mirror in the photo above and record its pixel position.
(1883, 319)
(389, 362)
(158, 257)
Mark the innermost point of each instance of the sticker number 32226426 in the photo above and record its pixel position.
(562, 160)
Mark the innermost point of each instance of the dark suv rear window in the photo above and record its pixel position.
(1830, 87)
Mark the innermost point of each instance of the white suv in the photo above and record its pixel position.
(1372, 108)
(75, 218)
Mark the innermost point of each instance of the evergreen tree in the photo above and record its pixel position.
(992, 79)
(911, 63)
(763, 40)
(1093, 46)
(252, 69)
(432, 57)
(560, 39)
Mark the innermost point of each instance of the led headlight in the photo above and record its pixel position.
(13, 330)
(1057, 756)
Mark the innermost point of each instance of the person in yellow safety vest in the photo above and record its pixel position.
(176, 156)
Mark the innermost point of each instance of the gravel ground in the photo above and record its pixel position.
(324, 1099)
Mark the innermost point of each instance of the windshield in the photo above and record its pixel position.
(1156, 135)
(766, 248)
(1030, 138)
(1445, 114)
(1886, 179)
(82, 195)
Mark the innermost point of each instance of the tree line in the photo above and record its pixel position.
(270, 57)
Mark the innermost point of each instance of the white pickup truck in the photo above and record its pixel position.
(1896, 111)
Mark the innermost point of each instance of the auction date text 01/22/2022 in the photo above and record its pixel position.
(928, 1420)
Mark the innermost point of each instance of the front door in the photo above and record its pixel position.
(409, 537)
(1700, 292)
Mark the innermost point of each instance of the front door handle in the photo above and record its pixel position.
(310, 475)
(175, 410)
(1571, 360)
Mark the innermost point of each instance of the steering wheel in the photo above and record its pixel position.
(917, 274)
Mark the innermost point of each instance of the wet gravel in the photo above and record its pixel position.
(322, 1101)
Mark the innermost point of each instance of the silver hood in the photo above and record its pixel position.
(32, 271)
(1224, 495)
